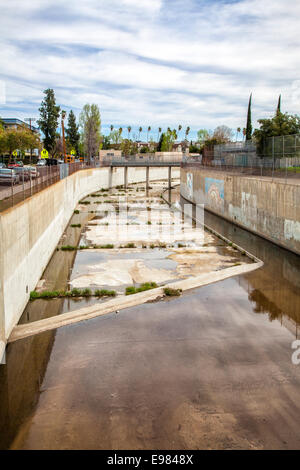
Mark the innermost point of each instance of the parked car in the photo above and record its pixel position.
(2, 165)
(41, 163)
(31, 170)
(8, 176)
(51, 161)
(15, 164)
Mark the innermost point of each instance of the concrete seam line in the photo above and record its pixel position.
(87, 313)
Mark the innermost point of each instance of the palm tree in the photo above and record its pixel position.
(179, 128)
(148, 130)
(129, 130)
(140, 130)
(120, 130)
(159, 131)
(111, 128)
(187, 131)
(238, 131)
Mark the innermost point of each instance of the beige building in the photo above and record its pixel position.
(110, 153)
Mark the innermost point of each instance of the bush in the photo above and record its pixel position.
(172, 292)
(86, 293)
(68, 248)
(146, 286)
(105, 293)
(130, 245)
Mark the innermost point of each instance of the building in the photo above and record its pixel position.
(14, 123)
(111, 153)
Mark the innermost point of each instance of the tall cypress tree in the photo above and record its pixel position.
(279, 106)
(72, 131)
(249, 121)
(48, 122)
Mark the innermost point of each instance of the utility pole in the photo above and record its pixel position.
(30, 120)
(63, 115)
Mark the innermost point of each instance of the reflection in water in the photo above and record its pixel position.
(264, 305)
(272, 290)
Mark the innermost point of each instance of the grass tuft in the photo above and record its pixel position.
(105, 293)
(172, 292)
(146, 286)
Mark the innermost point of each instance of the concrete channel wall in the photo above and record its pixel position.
(30, 232)
(269, 208)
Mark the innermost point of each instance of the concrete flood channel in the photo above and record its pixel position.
(209, 369)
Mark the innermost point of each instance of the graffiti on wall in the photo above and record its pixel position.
(214, 190)
(189, 185)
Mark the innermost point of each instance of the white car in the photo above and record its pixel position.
(41, 163)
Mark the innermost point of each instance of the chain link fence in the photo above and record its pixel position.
(280, 158)
(19, 183)
(286, 168)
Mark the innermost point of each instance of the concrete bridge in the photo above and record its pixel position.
(140, 161)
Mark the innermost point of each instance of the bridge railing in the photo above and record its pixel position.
(142, 159)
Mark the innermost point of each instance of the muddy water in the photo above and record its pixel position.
(164, 246)
(211, 369)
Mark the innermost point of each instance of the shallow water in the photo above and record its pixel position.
(211, 369)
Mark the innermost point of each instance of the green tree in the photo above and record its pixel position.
(249, 121)
(105, 142)
(167, 140)
(115, 137)
(148, 130)
(49, 116)
(90, 123)
(279, 105)
(72, 132)
(140, 130)
(202, 134)
(160, 142)
(281, 124)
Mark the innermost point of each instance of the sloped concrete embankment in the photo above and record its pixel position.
(30, 231)
(265, 206)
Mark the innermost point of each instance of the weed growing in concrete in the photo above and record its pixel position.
(68, 248)
(172, 292)
(86, 293)
(85, 202)
(146, 286)
(130, 245)
(105, 293)
(76, 211)
(76, 225)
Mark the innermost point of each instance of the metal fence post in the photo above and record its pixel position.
(30, 183)
(23, 185)
(12, 188)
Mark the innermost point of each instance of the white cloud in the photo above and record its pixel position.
(153, 61)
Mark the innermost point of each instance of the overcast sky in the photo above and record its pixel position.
(151, 62)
